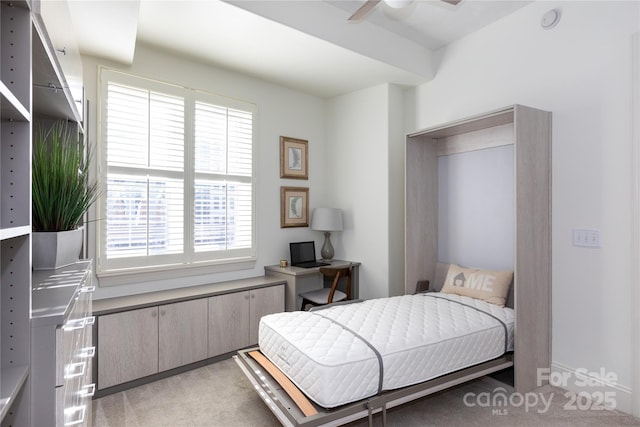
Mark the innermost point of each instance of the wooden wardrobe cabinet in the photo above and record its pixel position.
(529, 131)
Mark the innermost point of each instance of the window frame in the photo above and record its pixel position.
(118, 270)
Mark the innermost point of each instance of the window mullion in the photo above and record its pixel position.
(189, 174)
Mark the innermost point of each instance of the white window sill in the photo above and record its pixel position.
(168, 272)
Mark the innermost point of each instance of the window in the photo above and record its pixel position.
(177, 169)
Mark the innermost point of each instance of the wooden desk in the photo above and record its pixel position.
(307, 279)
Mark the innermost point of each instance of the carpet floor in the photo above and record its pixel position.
(219, 395)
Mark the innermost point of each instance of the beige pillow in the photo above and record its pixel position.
(486, 285)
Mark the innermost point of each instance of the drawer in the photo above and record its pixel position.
(77, 394)
(73, 344)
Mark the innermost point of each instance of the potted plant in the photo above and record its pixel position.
(61, 195)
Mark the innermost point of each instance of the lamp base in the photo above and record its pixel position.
(327, 248)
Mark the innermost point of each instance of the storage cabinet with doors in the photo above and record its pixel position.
(127, 346)
(62, 349)
(182, 334)
(234, 317)
(137, 343)
(143, 337)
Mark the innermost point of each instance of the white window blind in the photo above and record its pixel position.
(177, 166)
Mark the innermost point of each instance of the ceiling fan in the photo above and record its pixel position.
(396, 4)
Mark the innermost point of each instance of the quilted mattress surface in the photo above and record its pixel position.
(349, 352)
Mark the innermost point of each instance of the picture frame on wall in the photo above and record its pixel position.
(294, 207)
(294, 158)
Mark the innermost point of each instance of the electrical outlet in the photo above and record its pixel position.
(586, 238)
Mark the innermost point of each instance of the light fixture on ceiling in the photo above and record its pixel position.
(368, 5)
(550, 19)
(398, 4)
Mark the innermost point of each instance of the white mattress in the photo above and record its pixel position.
(328, 353)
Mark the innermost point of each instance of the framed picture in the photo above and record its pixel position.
(294, 207)
(293, 158)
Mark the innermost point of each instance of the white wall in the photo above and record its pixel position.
(358, 168)
(280, 112)
(475, 208)
(580, 71)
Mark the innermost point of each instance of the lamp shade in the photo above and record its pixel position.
(326, 219)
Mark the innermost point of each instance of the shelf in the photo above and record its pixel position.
(12, 108)
(51, 94)
(10, 233)
(12, 381)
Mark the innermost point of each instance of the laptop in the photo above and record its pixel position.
(303, 254)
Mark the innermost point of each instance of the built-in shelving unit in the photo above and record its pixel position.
(15, 211)
(32, 87)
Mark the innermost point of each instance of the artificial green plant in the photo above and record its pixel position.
(61, 190)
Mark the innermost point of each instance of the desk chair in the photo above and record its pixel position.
(328, 295)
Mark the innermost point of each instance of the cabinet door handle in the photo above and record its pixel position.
(253, 296)
(154, 313)
(163, 312)
(74, 415)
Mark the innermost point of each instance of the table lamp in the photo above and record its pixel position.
(327, 220)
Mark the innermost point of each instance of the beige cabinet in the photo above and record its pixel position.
(182, 333)
(262, 302)
(234, 317)
(127, 346)
(134, 343)
(137, 343)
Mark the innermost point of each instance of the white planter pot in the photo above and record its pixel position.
(52, 250)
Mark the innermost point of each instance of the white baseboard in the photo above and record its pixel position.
(595, 384)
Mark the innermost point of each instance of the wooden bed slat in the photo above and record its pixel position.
(296, 395)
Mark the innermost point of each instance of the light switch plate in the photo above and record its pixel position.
(586, 238)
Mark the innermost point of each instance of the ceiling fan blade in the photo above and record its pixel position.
(363, 10)
(453, 2)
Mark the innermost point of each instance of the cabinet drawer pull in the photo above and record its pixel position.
(73, 370)
(72, 325)
(87, 352)
(87, 289)
(74, 415)
(88, 390)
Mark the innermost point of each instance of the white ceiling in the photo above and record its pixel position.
(308, 45)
